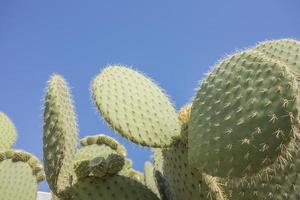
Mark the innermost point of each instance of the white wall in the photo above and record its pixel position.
(43, 196)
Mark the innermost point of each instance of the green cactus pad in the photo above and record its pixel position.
(114, 187)
(135, 107)
(282, 184)
(19, 180)
(244, 115)
(60, 134)
(8, 133)
(149, 178)
(183, 181)
(97, 160)
(106, 140)
(285, 50)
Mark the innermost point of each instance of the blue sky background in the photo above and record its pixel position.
(174, 42)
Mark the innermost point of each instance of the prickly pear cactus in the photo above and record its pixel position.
(135, 107)
(7, 132)
(20, 172)
(60, 134)
(244, 115)
(285, 50)
(99, 156)
(98, 170)
(183, 181)
(237, 140)
(282, 184)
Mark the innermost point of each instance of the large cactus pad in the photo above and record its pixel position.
(244, 115)
(135, 107)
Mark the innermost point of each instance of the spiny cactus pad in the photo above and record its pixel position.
(184, 182)
(244, 115)
(285, 50)
(106, 140)
(19, 177)
(135, 107)
(8, 133)
(115, 187)
(60, 134)
(97, 159)
(283, 184)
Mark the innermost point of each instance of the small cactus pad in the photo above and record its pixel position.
(19, 178)
(97, 159)
(184, 182)
(8, 133)
(135, 107)
(244, 115)
(114, 187)
(106, 140)
(60, 134)
(285, 50)
(282, 184)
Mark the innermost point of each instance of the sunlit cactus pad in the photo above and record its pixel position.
(135, 107)
(8, 133)
(285, 50)
(244, 115)
(60, 133)
(20, 173)
(102, 139)
(98, 159)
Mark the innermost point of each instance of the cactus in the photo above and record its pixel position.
(20, 172)
(183, 181)
(7, 132)
(149, 178)
(237, 140)
(98, 170)
(243, 116)
(135, 107)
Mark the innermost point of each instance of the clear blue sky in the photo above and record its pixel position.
(174, 42)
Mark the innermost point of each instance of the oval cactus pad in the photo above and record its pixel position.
(244, 115)
(135, 107)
